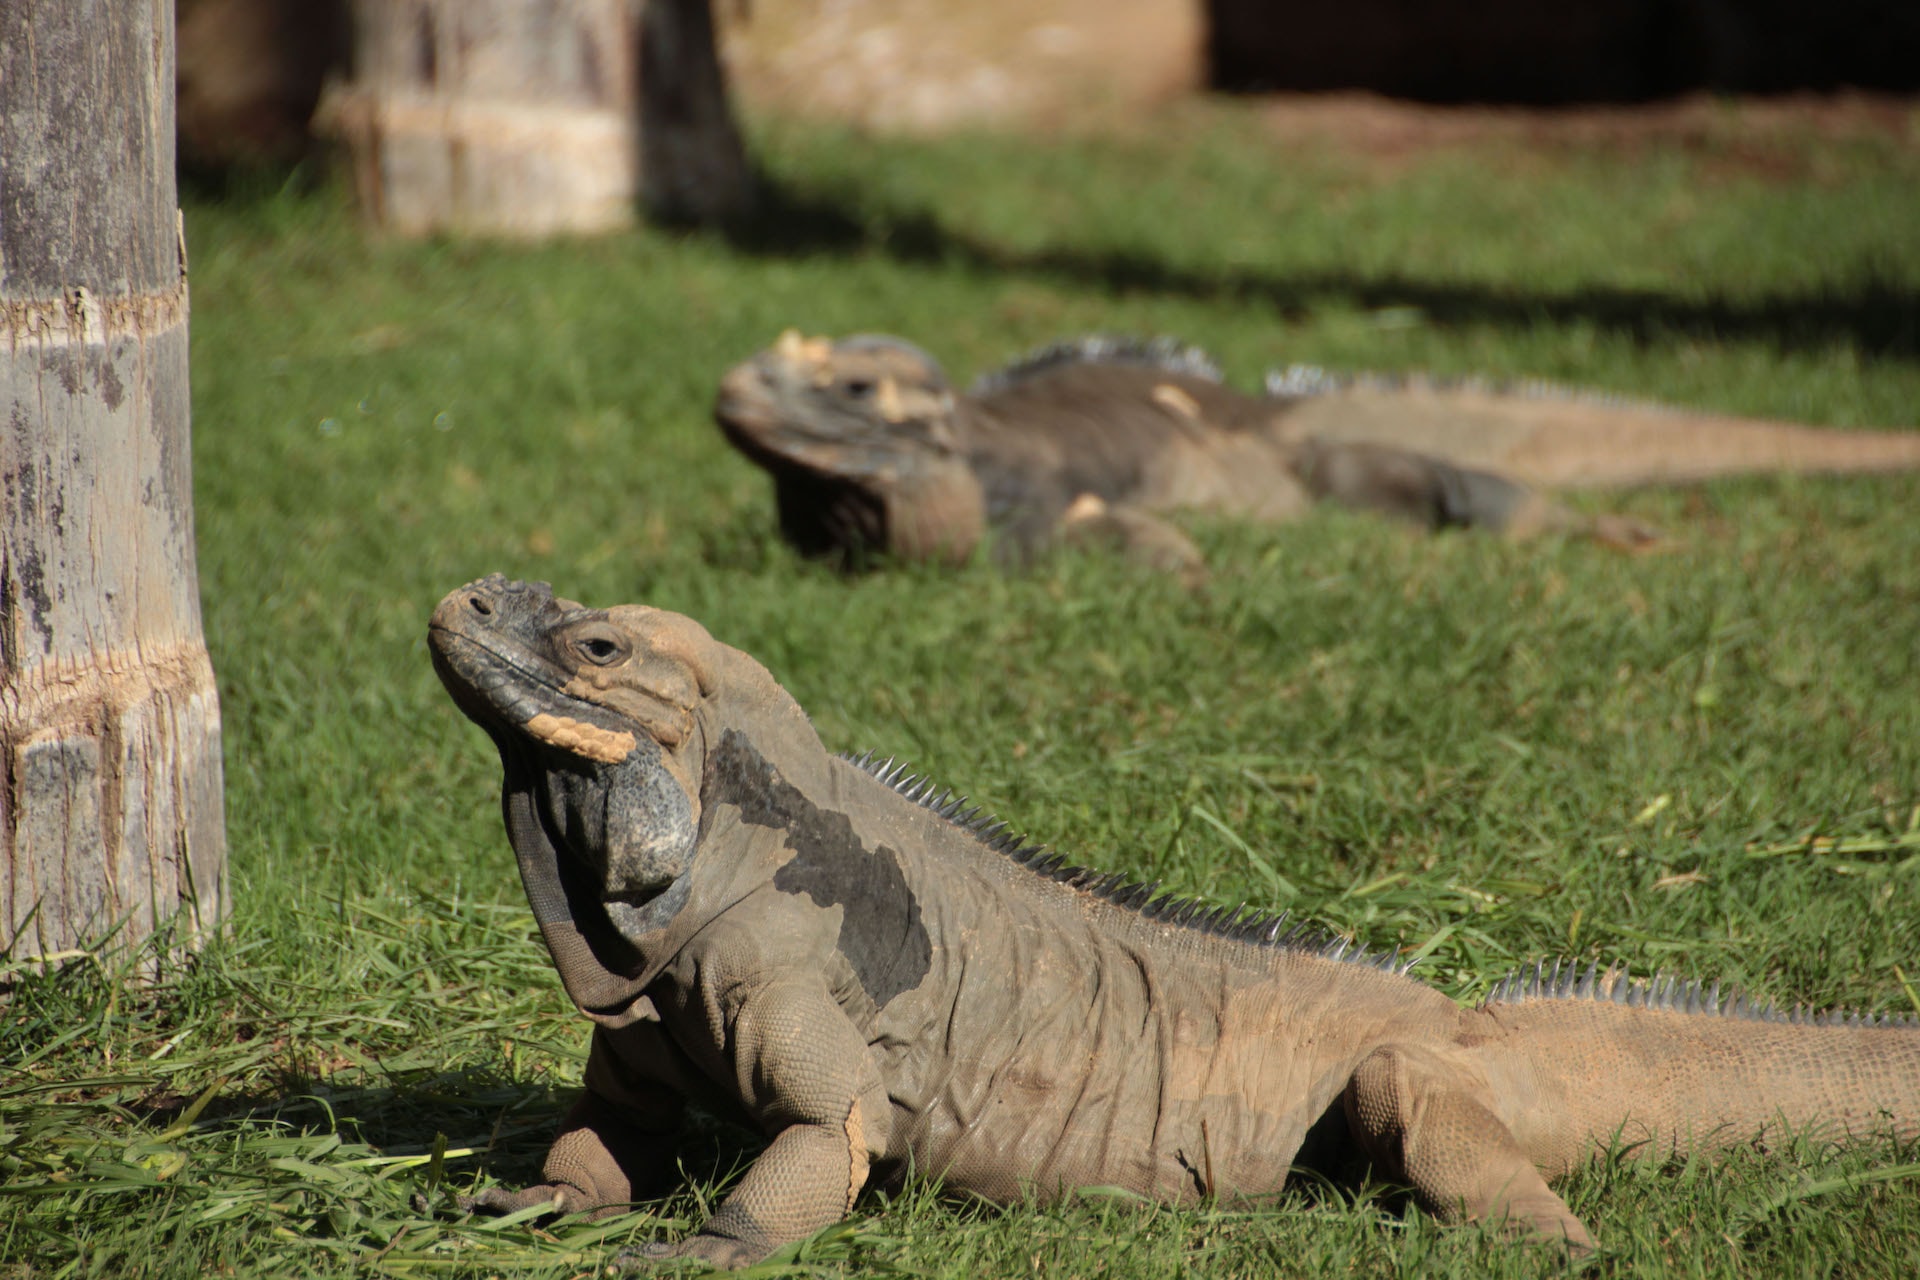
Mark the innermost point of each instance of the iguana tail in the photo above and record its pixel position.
(1555, 439)
(1671, 1065)
(1552, 1071)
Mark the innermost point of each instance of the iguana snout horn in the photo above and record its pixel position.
(485, 629)
(592, 711)
(603, 678)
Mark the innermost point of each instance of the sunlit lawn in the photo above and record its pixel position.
(1704, 760)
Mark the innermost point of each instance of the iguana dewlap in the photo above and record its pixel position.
(879, 980)
(870, 449)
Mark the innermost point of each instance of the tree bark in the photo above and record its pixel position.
(110, 772)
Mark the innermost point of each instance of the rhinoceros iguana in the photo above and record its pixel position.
(1097, 439)
(879, 979)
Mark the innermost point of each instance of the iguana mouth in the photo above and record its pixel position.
(500, 681)
(744, 400)
(751, 410)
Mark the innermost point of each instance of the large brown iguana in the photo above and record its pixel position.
(870, 449)
(880, 979)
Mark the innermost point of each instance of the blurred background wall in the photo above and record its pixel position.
(1572, 51)
(251, 71)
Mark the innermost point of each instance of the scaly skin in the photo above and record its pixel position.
(880, 981)
(871, 451)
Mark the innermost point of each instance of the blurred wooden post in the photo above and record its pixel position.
(110, 771)
(535, 117)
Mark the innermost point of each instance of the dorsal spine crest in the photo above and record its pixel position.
(1562, 980)
(1301, 381)
(1170, 355)
(1257, 928)
(1668, 993)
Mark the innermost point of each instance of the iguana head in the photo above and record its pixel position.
(594, 712)
(863, 406)
(861, 438)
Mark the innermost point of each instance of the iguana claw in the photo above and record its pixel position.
(501, 1200)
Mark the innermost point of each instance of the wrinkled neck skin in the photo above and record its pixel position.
(938, 513)
(623, 831)
(605, 852)
(647, 824)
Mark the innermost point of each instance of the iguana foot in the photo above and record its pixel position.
(1142, 538)
(559, 1198)
(1624, 533)
(717, 1252)
(594, 1167)
(1536, 1216)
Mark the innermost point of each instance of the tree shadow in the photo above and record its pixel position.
(1873, 312)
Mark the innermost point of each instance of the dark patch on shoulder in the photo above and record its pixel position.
(881, 933)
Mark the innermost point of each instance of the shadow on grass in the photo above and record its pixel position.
(1874, 312)
(505, 1124)
(1878, 315)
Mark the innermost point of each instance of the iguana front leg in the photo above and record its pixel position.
(787, 1195)
(804, 1070)
(599, 1164)
(1428, 1122)
(1141, 537)
(616, 1145)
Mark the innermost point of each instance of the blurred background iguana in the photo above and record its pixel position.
(1097, 439)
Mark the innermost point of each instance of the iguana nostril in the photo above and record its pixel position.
(480, 605)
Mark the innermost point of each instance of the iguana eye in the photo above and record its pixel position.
(602, 646)
(858, 388)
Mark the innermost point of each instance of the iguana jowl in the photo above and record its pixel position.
(870, 450)
(878, 979)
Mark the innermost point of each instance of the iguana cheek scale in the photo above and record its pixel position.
(880, 979)
(581, 738)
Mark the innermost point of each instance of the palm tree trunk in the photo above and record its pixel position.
(110, 771)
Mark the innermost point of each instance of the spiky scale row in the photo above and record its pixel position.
(1294, 381)
(1164, 353)
(1257, 928)
(1671, 994)
(1563, 981)
(1298, 381)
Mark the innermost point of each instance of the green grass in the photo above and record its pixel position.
(1706, 759)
